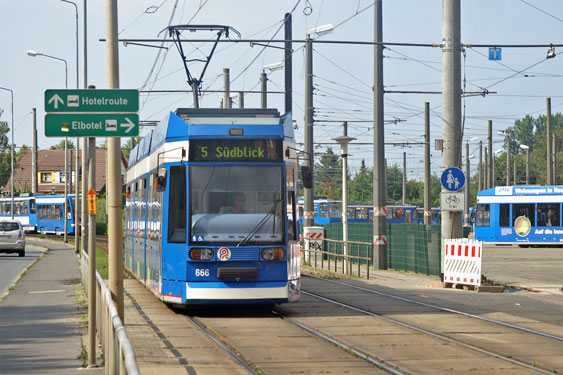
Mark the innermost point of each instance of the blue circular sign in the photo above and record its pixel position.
(453, 179)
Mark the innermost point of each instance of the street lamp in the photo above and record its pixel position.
(12, 153)
(343, 140)
(527, 148)
(77, 147)
(33, 53)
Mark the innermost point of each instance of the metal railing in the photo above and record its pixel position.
(118, 352)
(333, 255)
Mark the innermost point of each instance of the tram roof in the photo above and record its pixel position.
(190, 123)
(536, 190)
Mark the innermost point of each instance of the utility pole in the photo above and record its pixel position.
(379, 217)
(404, 178)
(91, 258)
(480, 165)
(549, 148)
(84, 189)
(451, 108)
(427, 197)
(487, 174)
(115, 234)
(241, 99)
(490, 170)
(264, 85)
(34, 153)
(308, 195)
(554, 153)
(508, 158)
(226, 88)
(288, 67)
(467, 185)
(514, 172)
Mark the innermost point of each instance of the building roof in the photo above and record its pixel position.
(53, 160)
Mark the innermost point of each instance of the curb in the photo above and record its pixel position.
(13, 285)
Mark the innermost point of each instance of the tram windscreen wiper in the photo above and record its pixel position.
(260, 224)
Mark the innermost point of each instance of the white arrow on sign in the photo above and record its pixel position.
(56, 98)
(129, 125)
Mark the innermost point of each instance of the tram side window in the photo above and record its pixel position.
(177, 205)
(548, 215)
(483, 218)
(291, 233)
(504, 215)
(527, 210)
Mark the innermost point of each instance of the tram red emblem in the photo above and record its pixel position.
(224, 254)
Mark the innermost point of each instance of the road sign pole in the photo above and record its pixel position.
(92, 257)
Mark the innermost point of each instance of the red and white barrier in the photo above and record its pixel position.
(314, 238)
(462, 262)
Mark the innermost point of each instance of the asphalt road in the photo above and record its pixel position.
(11, 266)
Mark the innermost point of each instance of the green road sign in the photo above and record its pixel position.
(91, 125)
(91, 101)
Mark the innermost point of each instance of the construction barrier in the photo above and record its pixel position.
(314, 238)
(462, 261)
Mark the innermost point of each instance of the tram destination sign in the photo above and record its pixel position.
(91, 101)
(216, 150)
(91, 125)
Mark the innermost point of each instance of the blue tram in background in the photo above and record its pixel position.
(524, 215)
(42, 213)
(330, 211)
(211, 208)
(50, 214)
(24, 212)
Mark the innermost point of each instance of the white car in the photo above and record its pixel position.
(12, 237)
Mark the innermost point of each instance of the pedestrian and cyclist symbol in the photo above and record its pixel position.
(453, 179)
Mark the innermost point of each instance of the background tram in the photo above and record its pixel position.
(211, 211)
(50, 214)
(524, 215)
(330, 211)
(24, 212)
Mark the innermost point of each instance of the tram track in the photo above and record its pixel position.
(471, 339)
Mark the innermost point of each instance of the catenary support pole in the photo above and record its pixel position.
(427, 197)
(548, 142)
(308, 194)
(92, 258)
(264, 89)
(451, 108)
(115, 230)
(288, 67)
(84, 214)
(490, 170)
(379, 218)
(226, 88)
(34, 153)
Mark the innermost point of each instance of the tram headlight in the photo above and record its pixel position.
(201, 254)
(272, 253)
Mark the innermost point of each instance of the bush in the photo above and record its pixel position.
(101, 228)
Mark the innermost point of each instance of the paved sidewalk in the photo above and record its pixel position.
(40, 331)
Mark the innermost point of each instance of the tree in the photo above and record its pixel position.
(328, 176)
(5, 154)
(61, 145)
(360, 188)
(128, 146)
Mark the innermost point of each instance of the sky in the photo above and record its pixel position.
(343, 74)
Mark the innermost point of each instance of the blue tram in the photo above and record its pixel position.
(24, 212)
(330, 211)
(524, 215)
(50, 214)
(211, 209)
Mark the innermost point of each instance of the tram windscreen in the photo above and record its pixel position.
(236, 204)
